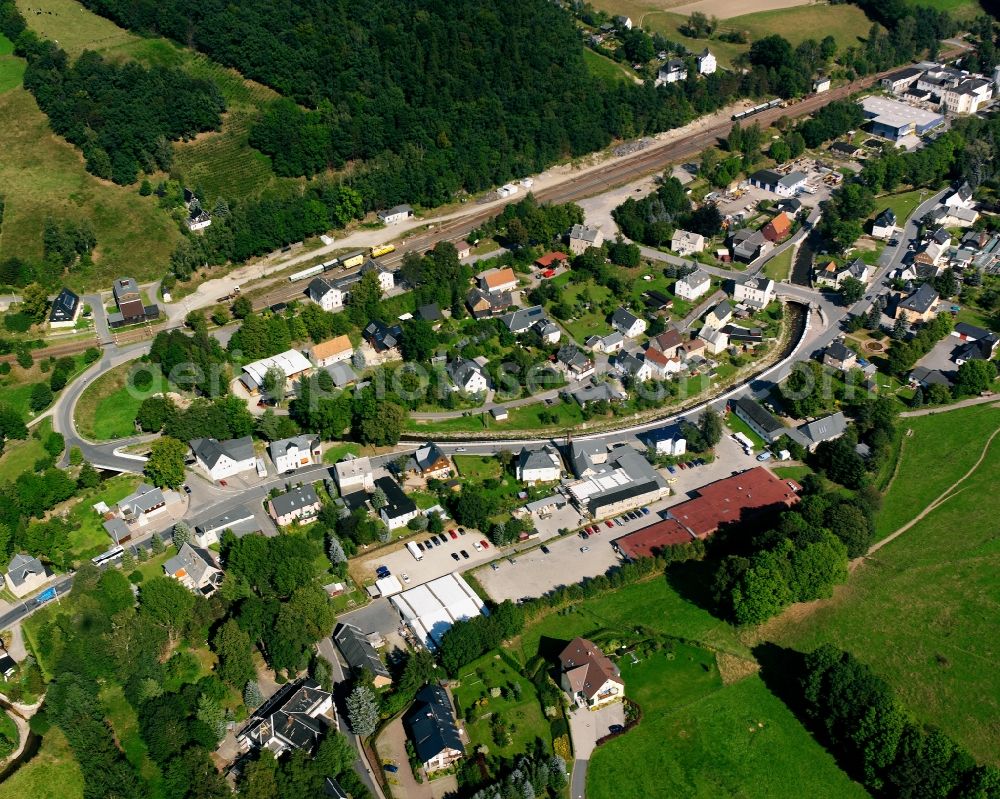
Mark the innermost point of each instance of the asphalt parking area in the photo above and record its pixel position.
(435, 561)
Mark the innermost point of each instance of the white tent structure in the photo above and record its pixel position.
(429, 610)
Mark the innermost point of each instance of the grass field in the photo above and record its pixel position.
(902, 204)
(338, 451)
(43, 176)
(779, 267)
(477, 466)
(737, 425)
(921, 611)
(11, 67)
(941, 449)
(961, 9)
(20, 456)
(107, 408)
(602, 67)
(51, 774)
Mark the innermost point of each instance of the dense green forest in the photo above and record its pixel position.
(122, 116)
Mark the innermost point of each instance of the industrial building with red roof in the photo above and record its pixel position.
(725, 501)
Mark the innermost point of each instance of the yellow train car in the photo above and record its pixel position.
(352, 259)
(382, 249)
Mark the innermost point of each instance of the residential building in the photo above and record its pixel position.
(295, 717)
(429, 461)
(195, 569)
(386, 278)
(463, 248)
(131, 310)
(919, 306)
(749, 245)
(790, 205)
(884, 226)
(661, 364)
(581, 237)
(926, 378)
(979, 350)
(342, 374)
(715, 339)
(833, 274)
(718, 316)
(430, 313)
(289, 454)
(299, 504)
(707, 63)
(577, 364)
(745, 335)
(586, 457)
(360, 654)
(738, 498)
(240, 521)
(354, 474)
(669, 342)
(758, 418)
(25, 574)
(839, 356)
(588, 675)
(484, 304)
(467, 376)
(960, 217)
(673, 71)
(539, 465)
(221, 459)
(778, 228)
(812, 434)
(65, 309)
(900, 82)
(627, 323)
(117, 530)
(960, 197)
(399, 508)
(656, 302)
(693, 285)
(521, 320)
(332, 351)
(756, 292)
(594, 392)
(292, 363)
(782, 185)
(197, 219)
(686, 243)
(623, 22)
(381, 336)
(634, 366)
(395, 215)
(609, 344)
(331, 293)
(142, 502)
(430, 726)
(498, 281)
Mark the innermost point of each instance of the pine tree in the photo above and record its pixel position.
(252, 696)
(362, 711)
(181, 535)
(157, 545)
(335, 551)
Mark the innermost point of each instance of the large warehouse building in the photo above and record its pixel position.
(430, 610)
(894, 120)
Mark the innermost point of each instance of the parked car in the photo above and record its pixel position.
(477, 546)
(420, 546)
(437, 541)
(616, 728)
(585, 549)
(609, 523)
(390, 768)
(681, 466)
(223, 483)
(645, 511)
(187, 489)
(764, 456)
(464, 554)
(485, 543)
(405, 576)
(382, 572)
(672, 470)
(461, 531)
(545, 550)
(453, 534)
(454, 556)
(494, 567)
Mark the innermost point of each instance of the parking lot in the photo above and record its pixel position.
(940, 356)
(436, 561)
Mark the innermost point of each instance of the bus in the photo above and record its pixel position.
(352, 259)
(113, 554)
(414, 550)
(382, 249)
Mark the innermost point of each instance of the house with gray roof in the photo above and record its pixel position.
(25, 574)
(240, 521)
(65, 309)
(758, 418)
(811, 434)
(627, 323)
(430, 726)
(296, 716)
(539, 465)
(195, 569)
(467, 376)
(521, 320)
(586, 456)
(290, 454)
(300, 504)
(221, 459)
(595, 392)
(146, 499)
(360, 654)
(583, 236)
(748, 245)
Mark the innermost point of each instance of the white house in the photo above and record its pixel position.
(672, 445)
(706, 62)
(627, 323)
(693, 285)
(821, 84)
(884, 226)
(294, 717)
(498, 281)
(290, 454)
(639, 369)
(221, 459)
(610, 344)
(395, 215)
(715, 340)
(685, 243)
(298, 504)
(430, 726)
(467, 376)
(959, 198)
(399, 508)
(335, 350)
(354, 474)
(331, 294)
(782, 185)
(719, 316)
(25, 574)
(755, 292)
(539, 465)
(195, 569)
(589, 676)
(673, 71)
(386, 279)
(583, 236)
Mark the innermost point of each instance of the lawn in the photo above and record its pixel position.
(779, 267)
(338, 451)
(961, 9)
(11, 67)
(941, 449)
(91, 538)
(107, 408)
(53, 773)
(922, 610)
(737, 425)
(792, 472)
(604, 68)
(902, 204)
(591, 322)
(21, 456)
(699, 739)
(519, 708)
(529, 417)
(478, 466)
(43, 176)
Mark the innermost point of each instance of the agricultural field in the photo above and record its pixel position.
(920, 610)
(961, 9)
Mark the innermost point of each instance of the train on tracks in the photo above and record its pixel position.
(757, 109)
(348, 261)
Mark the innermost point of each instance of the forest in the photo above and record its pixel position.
(122, 116)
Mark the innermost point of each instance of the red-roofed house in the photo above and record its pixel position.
(551, 260)
(645, 543)
(777, 228)
(588, 675)
(661, 363)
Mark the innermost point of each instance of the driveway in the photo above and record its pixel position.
(585, 727)
(378, 616)
(940, 356)
(391, 746)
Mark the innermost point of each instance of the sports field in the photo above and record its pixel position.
(922, 610)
